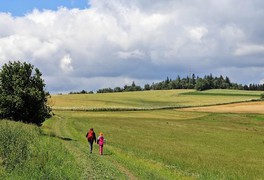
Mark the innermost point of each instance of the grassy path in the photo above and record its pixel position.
(61, 129)
(91, 166)
(117, 162)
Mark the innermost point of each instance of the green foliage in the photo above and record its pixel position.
(202, 84)
(262, 96)
(22, 94)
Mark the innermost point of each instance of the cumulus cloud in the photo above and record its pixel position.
(249, 49)
(65, 64)
(197, 33)
(139, 41)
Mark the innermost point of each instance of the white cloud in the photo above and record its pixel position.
(231, 32)
(197, 33)
(136, 54)
(65, 64)
(149, 40)
(40, 18)
(249, 49)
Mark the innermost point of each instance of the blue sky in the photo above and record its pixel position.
(22, 7)
(107, 43)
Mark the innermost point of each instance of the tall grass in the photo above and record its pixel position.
(26, 153)
(16, 141)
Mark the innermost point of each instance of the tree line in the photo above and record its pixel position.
(190, 82)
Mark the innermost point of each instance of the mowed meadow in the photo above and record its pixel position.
(151, 135)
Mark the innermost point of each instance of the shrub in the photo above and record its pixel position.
(22, 94)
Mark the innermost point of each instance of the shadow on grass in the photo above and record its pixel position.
(65, 138)
(104, 154)
(107, 154)
(59, 137)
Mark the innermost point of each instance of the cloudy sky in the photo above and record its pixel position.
(87, 45)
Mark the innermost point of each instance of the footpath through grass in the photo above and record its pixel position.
(165, 144)
(93, 165)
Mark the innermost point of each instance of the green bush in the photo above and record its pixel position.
(22, 93)
(262, 96)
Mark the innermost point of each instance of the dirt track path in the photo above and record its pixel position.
(93, 165)
(247, 107)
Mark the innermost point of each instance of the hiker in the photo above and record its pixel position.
(101, 141)
(91, 138)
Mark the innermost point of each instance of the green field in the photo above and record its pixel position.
(150, 99)
(166, 144)
(157, 144)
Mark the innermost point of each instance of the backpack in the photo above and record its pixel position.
(90, 136)
(101, 141)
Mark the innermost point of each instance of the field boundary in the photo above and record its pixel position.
(145, 109)
(200, 93)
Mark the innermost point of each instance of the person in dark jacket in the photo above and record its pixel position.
(91, 137)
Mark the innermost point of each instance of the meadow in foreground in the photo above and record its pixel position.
(166, 144)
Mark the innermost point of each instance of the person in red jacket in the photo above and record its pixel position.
(91, 137)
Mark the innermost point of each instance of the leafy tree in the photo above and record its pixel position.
(202, 84)
(118, 89)
(105, 90)
(133, 87)
(22, 94)
(147, 87)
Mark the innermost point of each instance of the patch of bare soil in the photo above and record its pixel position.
(247, 107)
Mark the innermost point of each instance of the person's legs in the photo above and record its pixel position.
(101, 150)
(91, 147)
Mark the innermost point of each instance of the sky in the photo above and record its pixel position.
(89, 45)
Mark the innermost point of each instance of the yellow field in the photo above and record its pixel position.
(248, 107)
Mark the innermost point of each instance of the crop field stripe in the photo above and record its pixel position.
(218, 94)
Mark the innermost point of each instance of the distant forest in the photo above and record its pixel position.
(190, 82)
